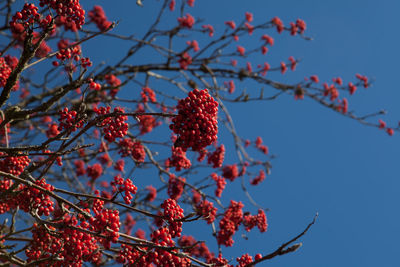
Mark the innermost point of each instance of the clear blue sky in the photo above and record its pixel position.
(325, 163)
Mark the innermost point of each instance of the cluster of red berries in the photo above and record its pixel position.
(160, 257)
(260, 146)
(259, 220)
(72, 247)
(146, 122)
(196, 123)
(43, 244)
(126, 186)
(148, 94)
(229, 224)
(68, 120)
(31, 199)
(28, 15)
(230, 172)
(5, 71)
(79, 246)
(151, 196)
(184, 60)
(70, 9)
(231, 24)
(114, 82)
(14, 165)
(68, 52)
(363, 79)
(113, 127)
(79, 167)
(209, 28)
(178, 159)
(221, 182)
(128, 147)
(331, 91)
(298, 27)
(196, 249)
(244, 260)
(94, 171)
(119, 165)
(382, 125)
(129, 223)
(98, 16)
(278, 24)
(207, 210)
(186, 21)
(259, 178)
(217, 157)
(193, 44)
(129, 256)
(107, 222)
(202, 154)
(172, 214)
(175, 186)
(241, 50)
(230, 85)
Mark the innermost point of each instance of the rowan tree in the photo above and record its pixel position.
(107, 162)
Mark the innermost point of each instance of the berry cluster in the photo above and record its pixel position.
(148, 94)
(114, 82)
(186, 21)
(113, 127)
(230, 172)
(231, 24)
(209, 28)
(32, 199)
(217, 157)
(244, 260)
(172, 214)
(94, 171)
(259, 220)
(27, 16)
(125, 185)
(14, 165)
(129, 256)
(98, 16)
(68, 120)
(146, 122)
(193, 44)
(175, 186)
(195, 249)
(221, 182)
(72, 247)
(119, 165)
(229, 224)
(107, 222)
(382, 125)
(151, 196)
(5, 71)
(230, 86)
(128, 147)
(161, 257)
(196, 122)
(70, 9)
(68, 51)
(259, 178)
(178, 159)
(260, 146)
(207, 210)
(202, 155)
(184, 60)
(79, 167)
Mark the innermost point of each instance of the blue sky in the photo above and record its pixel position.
(325, 162)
